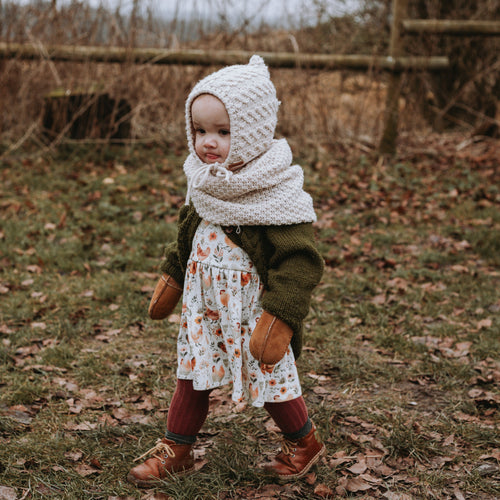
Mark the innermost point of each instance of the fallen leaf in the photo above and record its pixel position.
(358, 468)
(74, 455)
(310, 478)
(320, 378)
(323, 491)
(174, 318)
(383, 470)
(39, 324)
(34, 269)
(487, 469)
(85, 470)
(356, 484)
(82, 426)
(156, 496)
(94, 462)
(484, 323)
(7, 493)
(18, 415)
(493, 454)
(396, 496)
(370, 479)
(378, 299)
(120, 413)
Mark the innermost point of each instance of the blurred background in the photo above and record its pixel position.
(319, 108)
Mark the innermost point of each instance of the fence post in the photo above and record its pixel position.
(390, 134)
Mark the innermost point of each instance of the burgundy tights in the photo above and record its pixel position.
(189, 409)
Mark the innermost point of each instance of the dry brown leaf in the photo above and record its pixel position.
(396, 496)
(310, 478)
(358, 468)
(82, 426)
(319, 378)
(156, 496)
(323, 491)
(398, 284)
(74, 455)
(370, 479)
(85, 470)
(120, 413)
(74, 407)
(383, 470)
(458, 494)
(39, 324)
(174, 318)
(356, 484)
(7, 493)
(378, 299)
(339, 458)
(148, 404)
(493, 454)
(94, 462)
(484, 323)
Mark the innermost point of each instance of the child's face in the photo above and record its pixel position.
(212, 138)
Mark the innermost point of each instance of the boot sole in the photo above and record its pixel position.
(306, 469)
(149, 483)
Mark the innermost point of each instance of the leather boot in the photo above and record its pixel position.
(297, 457)
(167, 458)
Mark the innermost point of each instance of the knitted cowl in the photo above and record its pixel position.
(266, 189)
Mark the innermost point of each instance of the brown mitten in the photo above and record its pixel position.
(165, 297)
(270, 339)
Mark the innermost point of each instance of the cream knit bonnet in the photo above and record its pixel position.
(250, 99)
(266, 189)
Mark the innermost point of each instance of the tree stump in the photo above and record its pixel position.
(85, 115)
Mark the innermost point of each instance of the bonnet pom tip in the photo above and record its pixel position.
(256, 60)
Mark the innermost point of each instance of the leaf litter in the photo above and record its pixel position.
(422, 402)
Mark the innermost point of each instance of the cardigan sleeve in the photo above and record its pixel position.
(295, 268)
(170, 263)
(174, 255)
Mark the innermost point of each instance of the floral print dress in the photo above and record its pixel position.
(220, 309)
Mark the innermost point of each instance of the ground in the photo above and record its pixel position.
(400, 369)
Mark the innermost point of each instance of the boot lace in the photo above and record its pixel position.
(288, 447)
(159, 450)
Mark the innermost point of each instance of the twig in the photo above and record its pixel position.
(21, 141)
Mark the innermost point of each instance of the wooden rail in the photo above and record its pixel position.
(451, 27)
(219, 57)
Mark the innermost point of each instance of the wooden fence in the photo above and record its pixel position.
(396, 62)
(401, 26)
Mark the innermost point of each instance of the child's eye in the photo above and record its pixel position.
(200, 131)
(224, 132)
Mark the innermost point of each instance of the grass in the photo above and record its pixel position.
(402, 343)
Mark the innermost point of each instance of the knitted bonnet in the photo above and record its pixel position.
(267, 189)
(250, 99)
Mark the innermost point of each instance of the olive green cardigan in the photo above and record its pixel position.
(285, 257)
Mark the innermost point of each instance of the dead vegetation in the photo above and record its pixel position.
(319, 108)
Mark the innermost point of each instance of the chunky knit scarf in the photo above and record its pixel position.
(266, 191)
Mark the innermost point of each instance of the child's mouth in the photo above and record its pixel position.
(211, 157)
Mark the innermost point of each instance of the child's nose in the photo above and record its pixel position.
(211, 141)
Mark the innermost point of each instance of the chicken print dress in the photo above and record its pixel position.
(221, 306)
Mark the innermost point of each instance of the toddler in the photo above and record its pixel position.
(246, 264)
